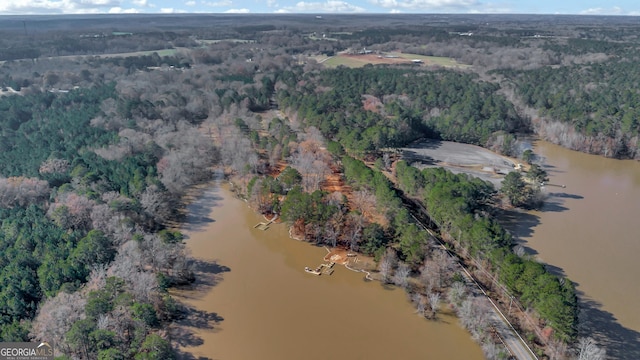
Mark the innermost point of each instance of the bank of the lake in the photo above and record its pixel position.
(589, 232)
(256, 301)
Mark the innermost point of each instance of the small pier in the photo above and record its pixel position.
(321, 269)
(265, 225)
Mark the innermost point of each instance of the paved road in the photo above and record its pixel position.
(512, 340)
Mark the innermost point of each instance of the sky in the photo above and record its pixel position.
(577, 7)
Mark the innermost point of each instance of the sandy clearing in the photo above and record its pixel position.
(459, 158)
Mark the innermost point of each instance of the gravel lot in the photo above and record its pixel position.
(459, 158)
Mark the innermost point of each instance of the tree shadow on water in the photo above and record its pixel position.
(207, 275)
(519, 223)
(554, 204)
(191, 319)
(181, 355)
(620, 342)
(197, 213)
(564, 195)
(183, 334)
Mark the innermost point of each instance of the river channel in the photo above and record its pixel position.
(590, 232)
(252, 299)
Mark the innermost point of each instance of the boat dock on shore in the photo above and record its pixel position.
(321, 269)
(265, 225)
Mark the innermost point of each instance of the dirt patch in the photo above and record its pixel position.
(354, 261)
(338, 256)
(459, 158)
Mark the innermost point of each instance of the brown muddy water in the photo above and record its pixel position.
(590, 232)
(253, 299)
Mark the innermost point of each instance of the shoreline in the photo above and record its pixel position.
(266, 284)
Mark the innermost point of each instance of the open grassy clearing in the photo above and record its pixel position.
(345, 61)
(355, 61)
(319, 58)
(432, 60)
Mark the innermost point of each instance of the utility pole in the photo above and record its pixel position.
(510, 303)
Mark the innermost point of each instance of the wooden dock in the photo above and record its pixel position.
(321, 269)
(265, 225)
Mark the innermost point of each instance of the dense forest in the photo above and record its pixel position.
(98, 149)
(83, 229)
(371, 108)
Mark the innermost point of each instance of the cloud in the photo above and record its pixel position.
(238, 11)
(330, 6)
(218, 3)
(602, 11)
(57, 6)
(282, 11)
(272, 3)
(172, 11)
(451, 5)
(119, 10)
(140, 2)
(491, 10)
(395, 11)
(190, 3)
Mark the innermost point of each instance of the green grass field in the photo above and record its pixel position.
(435, 60)
(341, 60)
(360, 62)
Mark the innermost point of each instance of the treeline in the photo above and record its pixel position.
(404, 105)
(457, 203)
(87, 43)
(595, 100)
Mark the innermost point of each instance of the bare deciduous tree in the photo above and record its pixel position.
(420, 303)
(155, 204)
(53, 165)
(387, 263)
(72, 211)
(436, 272)
(556, 350)
(587, 349)
(56, 316)
(457, 294)
(22, 191)
(401, 276)
(493, 351)
(311, 161)
(353, 230)
(364, 200)
(473, 316)
(434, 303)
